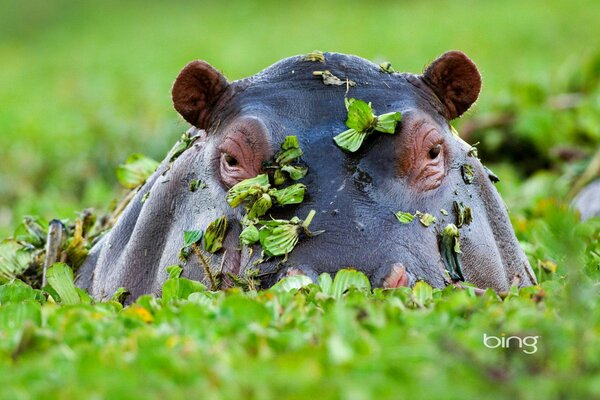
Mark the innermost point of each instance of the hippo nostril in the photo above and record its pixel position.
(396, 278)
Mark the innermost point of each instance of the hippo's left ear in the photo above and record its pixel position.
(455, 80)
(196, 91)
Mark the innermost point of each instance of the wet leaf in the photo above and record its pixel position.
(360, 115)
(290, 142)
(350, 140)
(247, 187)
(293, 282)
(404, 217)
(136, 170)
(450, 251)
(386, 67)
(289, 155)
(279, 240)
(196, 184)
(192, 237)
(425, 218)
(293, 194)
(215, 234)
(330, 79)
(60, 278)
(13, 261)
(423, 293)
(443, 211)
(467, 173)
(294, 172)
(315, 55)
(386, 123)
(473, 151)
(182, 145)
(463, 213)
(260, 207)
(346, 279)
(249, 235)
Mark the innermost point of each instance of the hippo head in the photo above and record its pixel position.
(239, 126)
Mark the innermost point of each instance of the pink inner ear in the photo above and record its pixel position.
(455, 80)
(195, 92)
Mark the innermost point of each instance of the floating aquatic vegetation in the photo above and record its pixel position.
(182, 145)
(386, 67)
(332, 80)
(279, 237)
(249, 235)
(362, 122)
(315, 55)
(215, 234)
(145, 197)
(404, 217)
(248, 187)
(196, 184)
(443, 211)
(136, 169)
(464, 214)
(426, 219)
(450, 251)
(467, 173)
(473, 151)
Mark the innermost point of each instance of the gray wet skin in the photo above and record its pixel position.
(242, 124)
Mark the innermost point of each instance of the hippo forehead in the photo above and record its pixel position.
(289, 94)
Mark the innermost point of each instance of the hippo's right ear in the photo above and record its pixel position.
(196, 90)
(455, 80)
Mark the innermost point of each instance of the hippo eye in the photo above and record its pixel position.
(230, 160)
(435, 151)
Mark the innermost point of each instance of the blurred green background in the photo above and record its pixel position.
(84, 84)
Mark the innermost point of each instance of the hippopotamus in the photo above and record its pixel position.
(237, 127)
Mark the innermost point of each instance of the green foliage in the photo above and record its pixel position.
(136, 170)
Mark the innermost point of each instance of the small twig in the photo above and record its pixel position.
(198, 252)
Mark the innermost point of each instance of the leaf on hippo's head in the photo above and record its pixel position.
(360, 115)
(450, 251)
(278, 237)
(468, 173)
(386, 123)
(330, 79)
(426, 219)
(249, 235)
(294, 172)
(196, 184)
(215, 234)
(293, 194)
(260, 207)
(350, 140)
(315, 55)
(404, 217)
(245, 188)
(493, 177)
(192, 237)
(290, 142)
(386, 67)
(464, 214)
(136, 169)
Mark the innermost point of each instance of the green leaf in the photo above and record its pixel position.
(13, 261)
(386, 123)
(279, 240)
(60, 278)
(249, 235)
(247, 187)
(293, 282)
(315, 55)
(192, 237)
(360, 115)
(215, 234)
(464, 214)
(346, 279)
(450, 251)
(290, 142)
(293, 194)
(467, 173)
(136, 170)
(289, 155)
(119, 295)
(196, 184)
(260, 207)
(386, 67)
(350, 140)
(326, 283)
(294, 172)
(404, 217)
(330, 79)
(423, 293)
(174, 271)
(425, 218)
